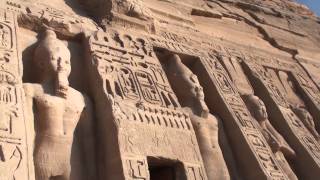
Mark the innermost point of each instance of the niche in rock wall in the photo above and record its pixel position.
(166, 58)
(191, 90)
(57, 115)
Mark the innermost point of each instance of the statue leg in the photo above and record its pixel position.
(42, 173)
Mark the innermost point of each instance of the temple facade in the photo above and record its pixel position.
(159, 90)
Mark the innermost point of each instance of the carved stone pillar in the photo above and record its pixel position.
(15, 144)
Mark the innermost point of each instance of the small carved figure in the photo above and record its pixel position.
(3, 36)
(277, 143)
(186, 85)
(57, 110)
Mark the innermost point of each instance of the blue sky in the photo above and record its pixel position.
(314, 5)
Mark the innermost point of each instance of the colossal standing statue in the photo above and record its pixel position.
(57, 109)
(277, 143)
(190, 93)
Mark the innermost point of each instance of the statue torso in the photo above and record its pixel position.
(56, 116)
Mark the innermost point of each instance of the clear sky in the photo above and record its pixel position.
(314, 5)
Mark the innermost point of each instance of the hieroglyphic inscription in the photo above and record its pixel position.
(157, 116)
(137, 169)
(248, 127)
(130, 69)
(14, 160)
(303, 140)
(194, 172)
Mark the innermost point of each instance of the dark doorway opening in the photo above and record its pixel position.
(162, 173)
(165, 169)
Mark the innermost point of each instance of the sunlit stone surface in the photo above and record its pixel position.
(159, 90)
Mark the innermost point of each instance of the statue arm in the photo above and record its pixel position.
(28, 101)
(29, 93)
(283, 145)
(87, 138)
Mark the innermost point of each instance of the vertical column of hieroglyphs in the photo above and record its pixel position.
(307, 160)
(149, 118)
(14, 159)
(251, 149)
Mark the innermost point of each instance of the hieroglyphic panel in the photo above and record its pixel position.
(15, 159)
(291, 126)
(131, 72)
(266, 164)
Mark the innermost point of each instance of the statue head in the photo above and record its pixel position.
(52, 56)
(192, 90)
(301, 112)
(257, 107)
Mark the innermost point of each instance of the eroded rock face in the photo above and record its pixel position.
(159, 90)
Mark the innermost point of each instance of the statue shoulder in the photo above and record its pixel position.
(31, 89)
(213, 120)
(80, 97)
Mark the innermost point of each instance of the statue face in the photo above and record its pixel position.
(59, 62)
(262, 113)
